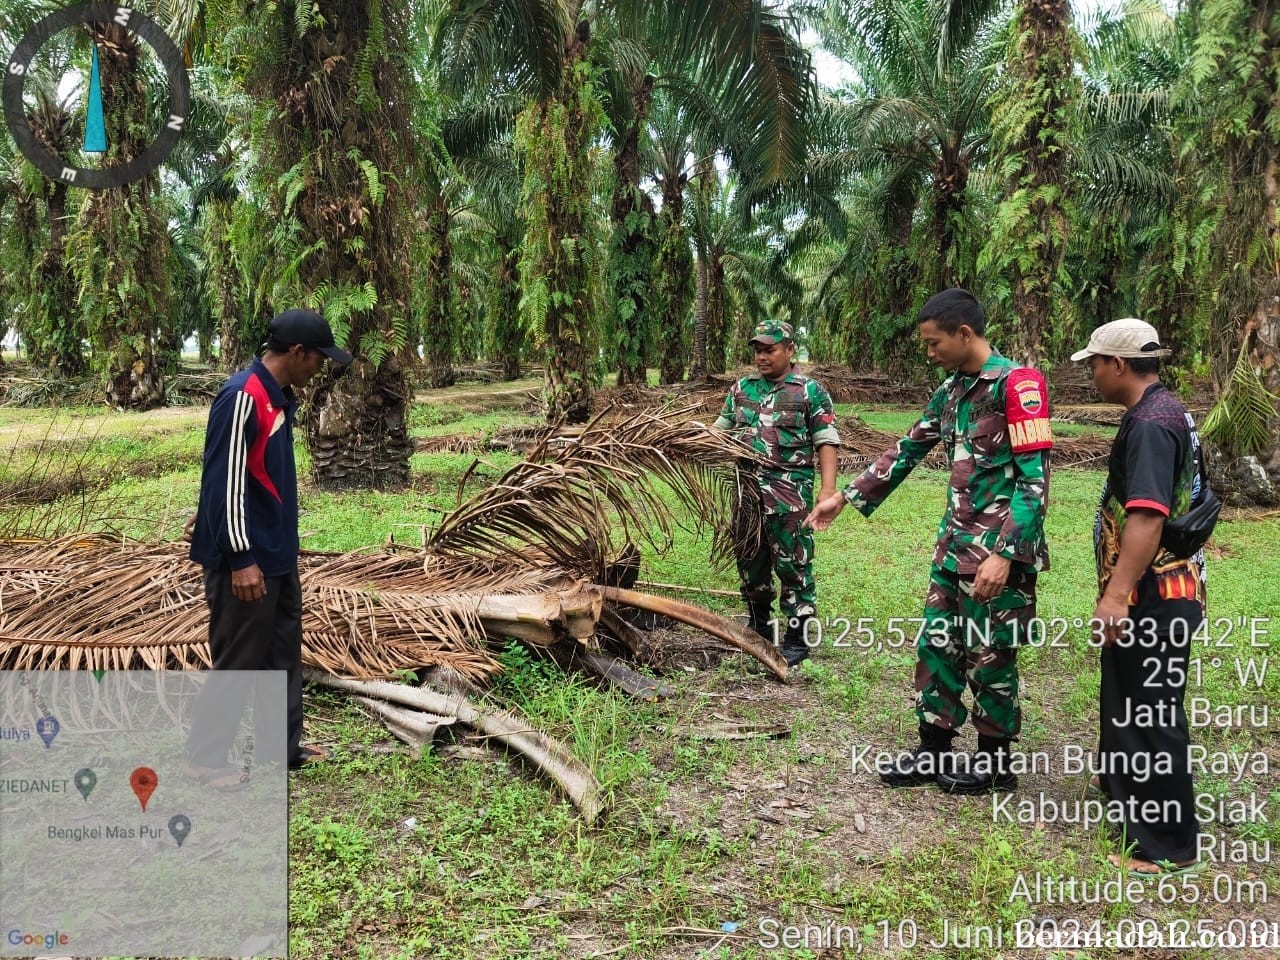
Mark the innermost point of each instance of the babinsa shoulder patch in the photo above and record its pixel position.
(1026, 402)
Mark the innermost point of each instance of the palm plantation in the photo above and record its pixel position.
(546, 230)
(618, 186)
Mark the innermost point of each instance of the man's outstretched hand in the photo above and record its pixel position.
(825, 512)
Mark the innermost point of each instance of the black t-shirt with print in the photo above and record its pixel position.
(1153, 466)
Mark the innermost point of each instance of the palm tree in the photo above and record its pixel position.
(540, 49)
(548, 49)
(633, 245)
(439, 317)
(920, 119)
(756, 116)
(119, 247)
(1231, 82)
(214, 176)
(52, 327)
(332, 143)
(747, 270)
(491, 227)
(1031, 119)
(468, 161)
(673, 143)
(39, 278)
(1127, 174)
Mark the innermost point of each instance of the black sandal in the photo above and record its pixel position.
(310, 756)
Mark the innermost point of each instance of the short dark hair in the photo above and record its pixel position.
(953, 308)
(277, 346)
(1143, 366)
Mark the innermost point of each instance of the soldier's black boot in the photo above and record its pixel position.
(925, 763)
(794, 649)
(987, 770)
(759, 613)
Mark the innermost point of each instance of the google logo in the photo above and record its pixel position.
(19, 939)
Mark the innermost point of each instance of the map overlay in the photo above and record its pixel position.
(112, 843)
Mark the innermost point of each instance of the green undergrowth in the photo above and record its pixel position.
(442, 421)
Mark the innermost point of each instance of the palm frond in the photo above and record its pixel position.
(526, 543)
(473, 124)
(1241, 420)
(77, 603)
(581, 494)
(502, 43)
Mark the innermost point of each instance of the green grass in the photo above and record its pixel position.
(397, 853)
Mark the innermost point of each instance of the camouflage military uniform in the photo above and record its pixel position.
(786, 421)
(995, 429)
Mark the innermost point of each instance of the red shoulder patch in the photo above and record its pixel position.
(1026, 401)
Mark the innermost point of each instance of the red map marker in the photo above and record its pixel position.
(143, 780)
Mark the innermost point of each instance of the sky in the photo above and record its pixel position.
(832, 72)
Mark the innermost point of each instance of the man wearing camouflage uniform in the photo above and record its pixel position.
(789, 419)
(993, 420)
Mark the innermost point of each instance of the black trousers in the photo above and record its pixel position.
(265, 635)
(1143, 724)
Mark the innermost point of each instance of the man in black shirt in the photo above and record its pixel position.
(1150, 601)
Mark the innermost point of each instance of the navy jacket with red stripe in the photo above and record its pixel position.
(249, 488)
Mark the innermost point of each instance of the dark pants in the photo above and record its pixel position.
(1142, 723)
(265, 635)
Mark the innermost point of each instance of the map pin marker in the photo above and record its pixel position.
(86, 780)
(47, 728)
(143, 780)
(179, 826)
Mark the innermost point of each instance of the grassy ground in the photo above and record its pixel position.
(715, 848)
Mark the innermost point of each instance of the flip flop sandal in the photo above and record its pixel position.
(310, 755)
(226, 779)
(1170, 869)
(1167, 868)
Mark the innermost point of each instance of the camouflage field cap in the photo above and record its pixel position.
(772, 331)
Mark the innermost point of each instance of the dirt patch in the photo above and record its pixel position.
(805, 802)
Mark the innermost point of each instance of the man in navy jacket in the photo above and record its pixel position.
(245, 532)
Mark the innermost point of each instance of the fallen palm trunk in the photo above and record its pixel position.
(745, 640)
(730, 730)
(538, 617)
(548, 755)
(414, 728)
(611, 670)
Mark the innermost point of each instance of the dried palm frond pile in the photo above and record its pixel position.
(533, 556)
(450, 443)
(27, 386)
(527, 557)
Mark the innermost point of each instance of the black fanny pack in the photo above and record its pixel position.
(1184, 536)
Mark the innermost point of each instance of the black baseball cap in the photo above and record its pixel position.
(309, 329)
